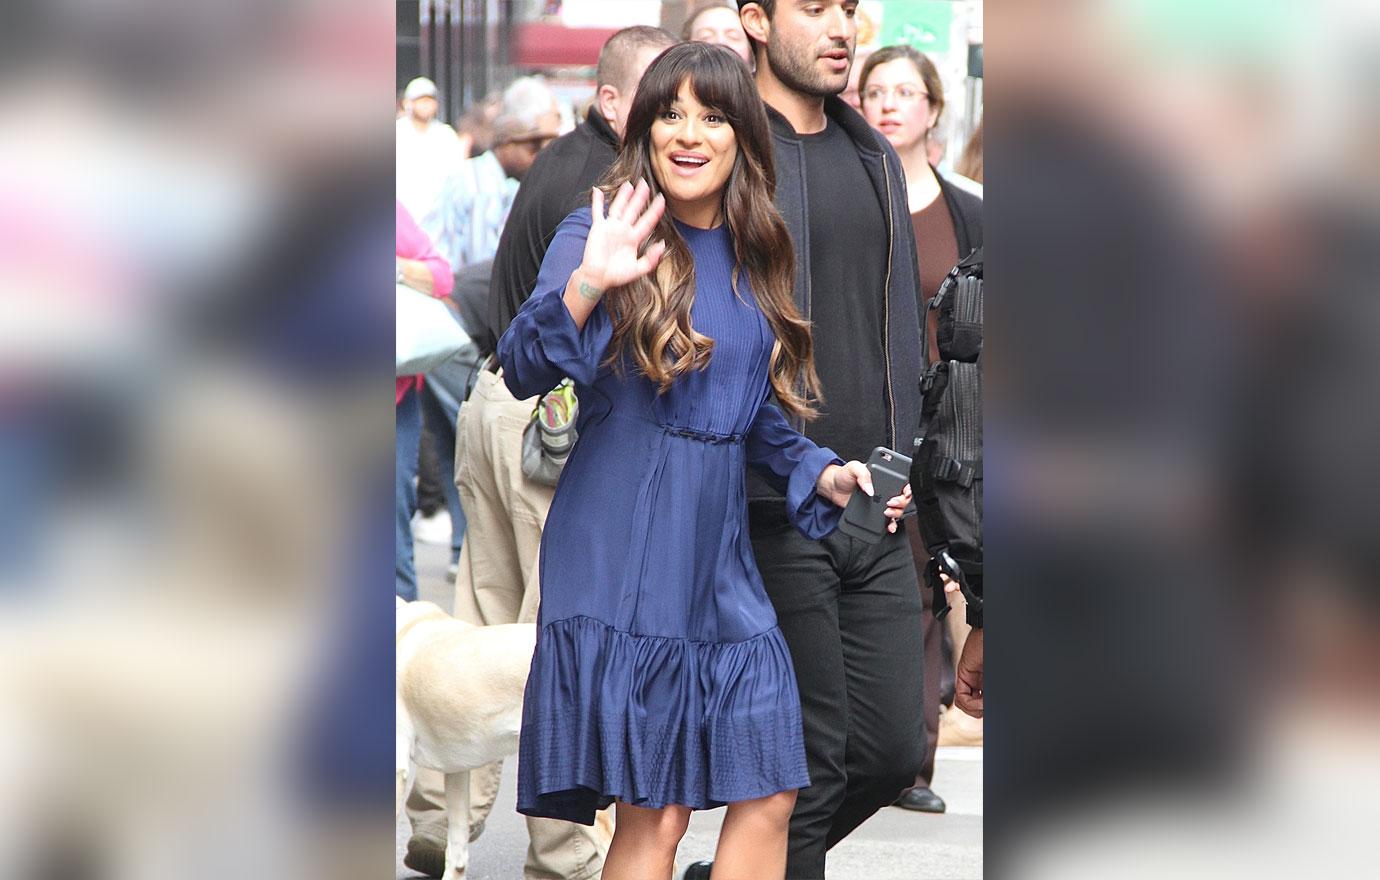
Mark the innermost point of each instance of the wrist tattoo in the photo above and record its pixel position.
(589, 291)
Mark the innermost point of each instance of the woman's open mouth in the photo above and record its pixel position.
(688, 163)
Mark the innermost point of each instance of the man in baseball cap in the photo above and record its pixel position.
(428, 150)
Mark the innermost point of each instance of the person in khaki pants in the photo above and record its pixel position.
(497, 583)
(505, 512)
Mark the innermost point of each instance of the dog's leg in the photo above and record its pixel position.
(403, 756)
(457, 824)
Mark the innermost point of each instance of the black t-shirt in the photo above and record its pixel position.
(848, 251)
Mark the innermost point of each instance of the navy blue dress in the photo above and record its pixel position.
(660, 676)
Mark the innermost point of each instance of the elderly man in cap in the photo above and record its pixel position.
(469, 215)
(428, 150)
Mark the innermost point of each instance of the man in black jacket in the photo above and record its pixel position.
(850, 611)
(498, 577)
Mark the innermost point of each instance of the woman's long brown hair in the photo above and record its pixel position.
(651, 316)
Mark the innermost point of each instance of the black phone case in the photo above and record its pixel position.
(865, 517)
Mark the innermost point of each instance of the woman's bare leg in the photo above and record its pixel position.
(645, 841)
(752, 841)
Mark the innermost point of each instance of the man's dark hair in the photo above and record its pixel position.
(620, 51)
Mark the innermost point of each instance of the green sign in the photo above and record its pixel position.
(924, 24)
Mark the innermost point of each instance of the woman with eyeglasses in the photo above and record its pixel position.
(903, 98)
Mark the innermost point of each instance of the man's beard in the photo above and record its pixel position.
(801, 75)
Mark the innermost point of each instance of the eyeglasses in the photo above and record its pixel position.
(905, 94)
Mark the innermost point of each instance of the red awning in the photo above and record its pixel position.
(540, 44)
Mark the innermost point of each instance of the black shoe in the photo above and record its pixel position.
(922, 800)
(426, 855)
(698, 871)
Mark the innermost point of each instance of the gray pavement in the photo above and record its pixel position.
(894, 844)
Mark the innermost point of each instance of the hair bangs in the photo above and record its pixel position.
(716, 76)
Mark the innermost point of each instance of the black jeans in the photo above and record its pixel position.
(851, 615)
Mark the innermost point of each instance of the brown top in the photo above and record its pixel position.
(936, 246)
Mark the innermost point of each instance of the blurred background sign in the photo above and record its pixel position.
(924, 24)
(599, 13)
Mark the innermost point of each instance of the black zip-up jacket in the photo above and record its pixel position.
(903, 345)
(966, 209)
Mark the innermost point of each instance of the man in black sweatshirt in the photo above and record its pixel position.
(850, 611)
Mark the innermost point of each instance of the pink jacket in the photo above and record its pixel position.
(413, 244)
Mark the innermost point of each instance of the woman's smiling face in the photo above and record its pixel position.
(693, 152)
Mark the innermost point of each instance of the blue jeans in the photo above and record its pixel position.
(440, 409)
(447, 386)
(408, 425)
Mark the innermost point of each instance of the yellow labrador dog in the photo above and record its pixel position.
(459, 705)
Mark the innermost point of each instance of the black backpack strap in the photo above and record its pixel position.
(955, 470)
(942, 563)
(939, 604)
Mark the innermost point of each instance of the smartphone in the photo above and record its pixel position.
(865, 516)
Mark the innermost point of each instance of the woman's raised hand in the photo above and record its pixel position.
(611, 258)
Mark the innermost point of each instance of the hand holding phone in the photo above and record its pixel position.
(865, 516)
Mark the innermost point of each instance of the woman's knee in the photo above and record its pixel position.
(770, 811)
(664, 827)
(780, 805)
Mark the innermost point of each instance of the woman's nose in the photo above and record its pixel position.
(689, 132)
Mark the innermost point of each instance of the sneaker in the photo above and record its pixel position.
(434, 529)
(452, 572)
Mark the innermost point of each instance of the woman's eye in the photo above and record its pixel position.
(668, 114)
(713, 119)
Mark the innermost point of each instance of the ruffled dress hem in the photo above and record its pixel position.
(652, 721)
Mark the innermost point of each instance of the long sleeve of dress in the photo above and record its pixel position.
(542, 345)
(792, 463)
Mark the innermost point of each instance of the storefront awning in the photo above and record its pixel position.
(541, 44)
